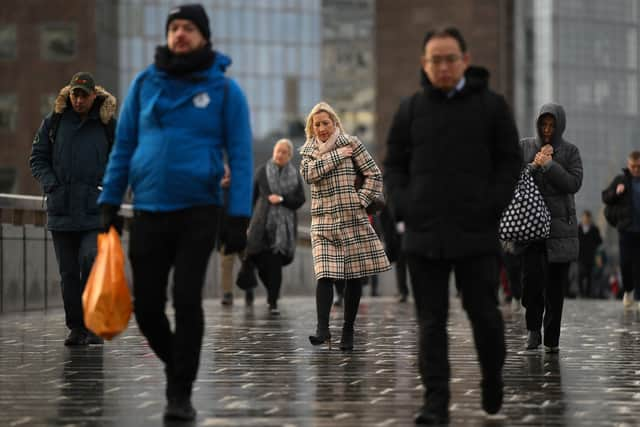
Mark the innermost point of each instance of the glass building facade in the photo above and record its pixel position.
(582, 54)
(275, 46)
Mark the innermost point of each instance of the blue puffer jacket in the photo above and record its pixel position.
(170, 141)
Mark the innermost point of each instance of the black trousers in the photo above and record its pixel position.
(401, 273)
(629, 244)
(543, 285)
(269, 267)
(75, 252)
(182, 240)
(477, 280)
(585, 279)
(513, 267)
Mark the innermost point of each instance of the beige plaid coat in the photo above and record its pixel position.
(344, 244)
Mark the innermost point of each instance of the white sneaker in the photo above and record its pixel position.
(627, 300)
(516, 305)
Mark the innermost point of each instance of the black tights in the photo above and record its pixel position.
(324, 300)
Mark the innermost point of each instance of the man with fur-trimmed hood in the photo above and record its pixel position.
(68, 157)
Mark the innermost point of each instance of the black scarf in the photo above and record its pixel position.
(181, 65)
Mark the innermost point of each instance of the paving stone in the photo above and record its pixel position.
(260, 370)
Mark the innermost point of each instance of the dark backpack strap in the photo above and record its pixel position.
(54, 123)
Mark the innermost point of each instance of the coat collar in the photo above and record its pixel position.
(310, 148)
(107, 108)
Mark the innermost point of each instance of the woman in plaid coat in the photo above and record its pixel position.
(344, 245)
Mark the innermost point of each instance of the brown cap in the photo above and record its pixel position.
(83, 80)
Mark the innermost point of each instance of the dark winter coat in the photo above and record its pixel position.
(71, 169)
(558, 182)
(619, 207)
(451, 167)
(257, 239)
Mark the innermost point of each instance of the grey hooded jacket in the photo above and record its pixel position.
(558, 181)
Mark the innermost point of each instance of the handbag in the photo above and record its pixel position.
(247, 279)
(377, 205)
(526, 218)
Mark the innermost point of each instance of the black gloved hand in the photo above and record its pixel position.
(109, 216)
(235, 234)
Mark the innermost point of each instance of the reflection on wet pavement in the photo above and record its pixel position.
(258, 370)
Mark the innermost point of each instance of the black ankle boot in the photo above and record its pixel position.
(179, 405)
(346, 342)
(179, 409)
(321, 337)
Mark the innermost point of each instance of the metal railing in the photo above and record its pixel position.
(29, 278)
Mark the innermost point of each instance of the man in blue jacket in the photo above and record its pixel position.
(68, 158)
(179, 119)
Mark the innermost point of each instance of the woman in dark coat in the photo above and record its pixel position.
(271, 238)
(557, 170)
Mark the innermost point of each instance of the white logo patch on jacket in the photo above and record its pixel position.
(201, 100)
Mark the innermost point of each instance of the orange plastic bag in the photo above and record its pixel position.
(106, 299)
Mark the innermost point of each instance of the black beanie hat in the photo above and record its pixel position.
(194, 13)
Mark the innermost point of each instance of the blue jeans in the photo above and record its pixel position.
(75, 252)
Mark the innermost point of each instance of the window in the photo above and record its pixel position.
(7, 42)
(58, 42)
(8, 113)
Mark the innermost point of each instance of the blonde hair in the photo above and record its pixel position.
(286, 142)
(321, 107)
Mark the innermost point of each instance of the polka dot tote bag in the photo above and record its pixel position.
(527, 217)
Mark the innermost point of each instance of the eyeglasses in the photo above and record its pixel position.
(447, 59)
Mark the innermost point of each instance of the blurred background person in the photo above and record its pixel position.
(622, 200)
(68, 158)
(590, 240)
(227, 258)
(278, 192)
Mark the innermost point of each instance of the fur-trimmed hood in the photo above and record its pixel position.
(107, 109)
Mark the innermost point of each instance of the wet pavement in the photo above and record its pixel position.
(259, 370)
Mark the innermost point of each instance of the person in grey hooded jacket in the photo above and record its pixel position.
(557, 170)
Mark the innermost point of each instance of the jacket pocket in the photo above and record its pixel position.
(91, 207)
(57, 203)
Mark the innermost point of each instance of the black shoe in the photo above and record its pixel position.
(77, 336)
(93, 338)
(248, 298)
(273, 309)
(492, 394)
(429, 417)
(320, 338)
(179, 409)
(534, 339)
(227, 299)
(346, 342)
(403, 298)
